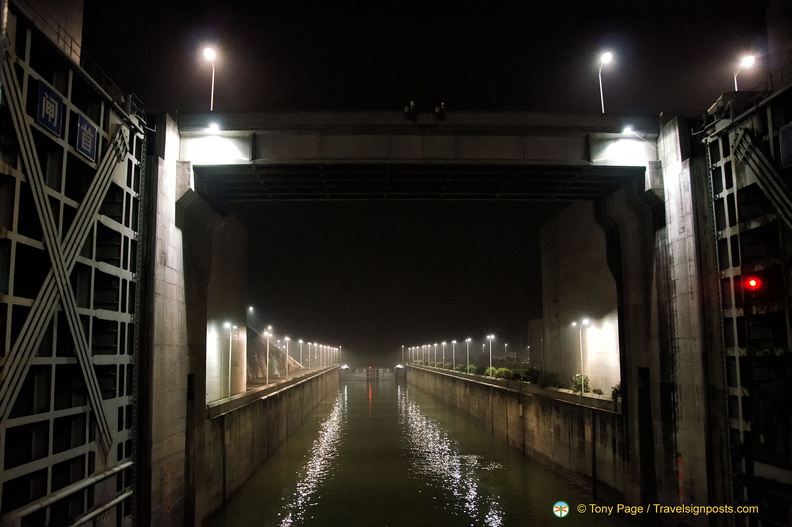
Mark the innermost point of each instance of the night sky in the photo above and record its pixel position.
(372, 276)
(671, 55)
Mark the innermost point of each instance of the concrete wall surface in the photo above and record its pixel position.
(579, 441)
(577, 285)
(232, 446)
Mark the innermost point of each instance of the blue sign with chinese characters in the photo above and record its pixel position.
(50, 109)
(86, 138)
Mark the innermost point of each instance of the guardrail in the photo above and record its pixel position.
(589, 400)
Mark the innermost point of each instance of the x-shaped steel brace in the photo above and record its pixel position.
(63, 256)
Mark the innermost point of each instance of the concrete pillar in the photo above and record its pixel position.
(577, 284)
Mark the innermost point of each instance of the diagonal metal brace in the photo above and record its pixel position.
(62, 257)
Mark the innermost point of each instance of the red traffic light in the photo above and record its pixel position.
(752, 283)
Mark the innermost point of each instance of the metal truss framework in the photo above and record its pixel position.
(68, 263)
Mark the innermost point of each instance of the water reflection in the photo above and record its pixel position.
(438, 461)
(323, 452)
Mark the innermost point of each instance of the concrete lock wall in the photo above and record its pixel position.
(579, 441)
(577, 285)
(649, 244)
(237, 443)
(196, 356)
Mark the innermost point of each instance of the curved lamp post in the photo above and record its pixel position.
(210, 55)
(490, 337)
(579, 325)
(605, 58)
(746, 62)
(287, 339)
(230, 329)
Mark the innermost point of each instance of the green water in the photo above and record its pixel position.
(383, 454)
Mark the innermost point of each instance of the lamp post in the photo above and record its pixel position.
(230, 329)
(402, 353)
(490, 337)
(210, 55)
(579, 325)
(506, 350)
(444, 354)
(605, 58)
(453, 354)
(435, 354)
(746, 62)
(287, 339)
(301, 360)
(267, 334)
(467, 370)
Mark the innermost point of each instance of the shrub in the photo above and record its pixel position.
(446, 365)
(517, 377)
(596, 391)
(503, 373)
(418, 362)
(576, 384)
(460, 367)
(549, 378)
(491, 371)
(471, 368)
(616, 391)
(532, 375)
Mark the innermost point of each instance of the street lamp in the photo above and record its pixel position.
(453, 354)
(268, 335)
(210, 55)
(467, 370)
(605, 58)
(287, 339)
(402, 353)
(490, 337)
(579, 325)
(230, 329)
(301, 359)
(746, 62)
(444, 354)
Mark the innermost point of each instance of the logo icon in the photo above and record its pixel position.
(561, 509)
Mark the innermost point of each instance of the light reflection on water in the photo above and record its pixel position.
(383, 455)
(438, 461)
(320, 458)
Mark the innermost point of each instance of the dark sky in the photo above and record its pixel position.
(373, 276)
(671, 55)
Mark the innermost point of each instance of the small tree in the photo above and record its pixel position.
(576, 384)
